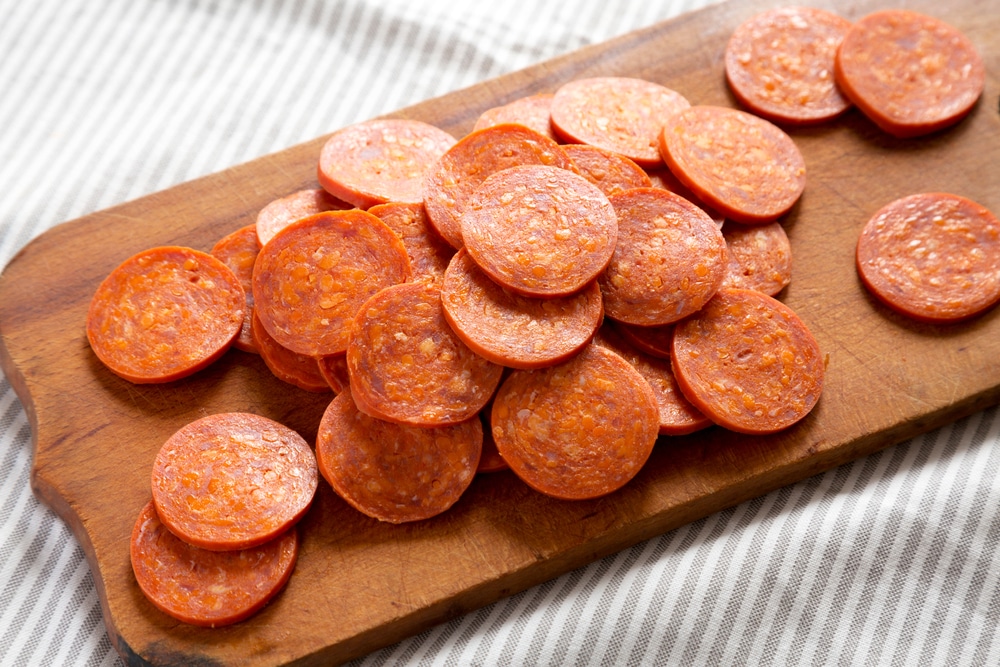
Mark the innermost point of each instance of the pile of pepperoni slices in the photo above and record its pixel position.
(583, 272)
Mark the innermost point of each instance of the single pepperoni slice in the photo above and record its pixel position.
(282, 212)
(654, 341)
(743, 166)
(233, 481)
(379, 161)
(669, 261)
(760, 257)
(407, 365)
(934, 257)
(429, 253)
(748, 362)
(677, 415)
(513, 330)
(779, 64)
(312, 277)
(540, 231)
(531, 111)
(333, 368)
(663, 179)
(618, 114)
(164, 314)
(911, 74)
(611, 172)
(238, 251)
(207, 588)
(474, 158)
(578, 430)
(298, 369)
(392, 472)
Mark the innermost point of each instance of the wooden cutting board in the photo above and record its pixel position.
(360, 585)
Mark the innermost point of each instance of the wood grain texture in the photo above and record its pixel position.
(360, 585)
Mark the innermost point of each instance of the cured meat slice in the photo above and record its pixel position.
(662, 178)
(654, 341)
(531, 111)
(611, 172)
(333, 368)
(298, 369)
(238, 251)
(282, 212)
(429, 253)
(760, 257)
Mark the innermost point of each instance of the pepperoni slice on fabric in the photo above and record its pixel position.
(407, 365)
(743, 166)
(760, 257)
(513, 330)
(429, 253)
(333, 368)
(748, 362)
(911, 74)
(780, 63)
(662, 178)
(282, 212)
(619, 114)
(669, 261)
(474, 158)
(392, 472)
(540, 231)
(934, 257)
(238, 251)
(298, 369)
(233, 481)
(531, 111)
(578, 430)
(379, 161)
(654, 341)
(164, 314)
(610, 172)
(312, 277)
(207, 588)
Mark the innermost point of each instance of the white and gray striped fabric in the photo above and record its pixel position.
(892, 560)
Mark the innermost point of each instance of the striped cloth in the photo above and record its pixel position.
(892, 560)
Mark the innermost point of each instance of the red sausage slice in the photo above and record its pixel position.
(934, 257)
(333, 368)
(531, 111)
(429, 253)
(298, 369)
(282, 212)
(662, 178)
(654, 341)
(238, 251)
(164, 314)
(207, 588)
(760, 257)
(611, 172)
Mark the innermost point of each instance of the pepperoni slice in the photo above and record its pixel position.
(298, 369)
(514, 330)
(934, 257)
(779, 64)
(392, 472)
(333, 368)
(654, 341)
(207, 588)
(618, 114)
(610, 172)
(662, 178)
(407, 365)
(233, 481)
(578, 430)
(490, 461)
(238, 251)
(282, 212)
(743, 166)
(164, 314)
(670, 259)
(379, 161)
(429, 253)
(748, 362)
(531, 111)
(310, 279)
(760, 257)
(911, 74)
(474, 158)
(540, 231)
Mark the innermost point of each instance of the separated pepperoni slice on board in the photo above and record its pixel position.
(165, 313)
(282, 212)
(611, 172)
(207, 588)
(407, 365)
(760, 257)
(238, 251)
(911, 74)
(312, 277)
(429, 253)
(531, 111)
(934, 257)
(779, 64)
(513, 330)
(748, 362)
(578, 430)
(654, 341)
(669, 261)
(233, 481)
(298, 369)
(379, 161)
(743, 166)
(618, 114)
(475, 157)
(540, 231)
(333, 368)
(393, 472)
(662, 178)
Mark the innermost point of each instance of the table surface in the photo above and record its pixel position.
(887, 560)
